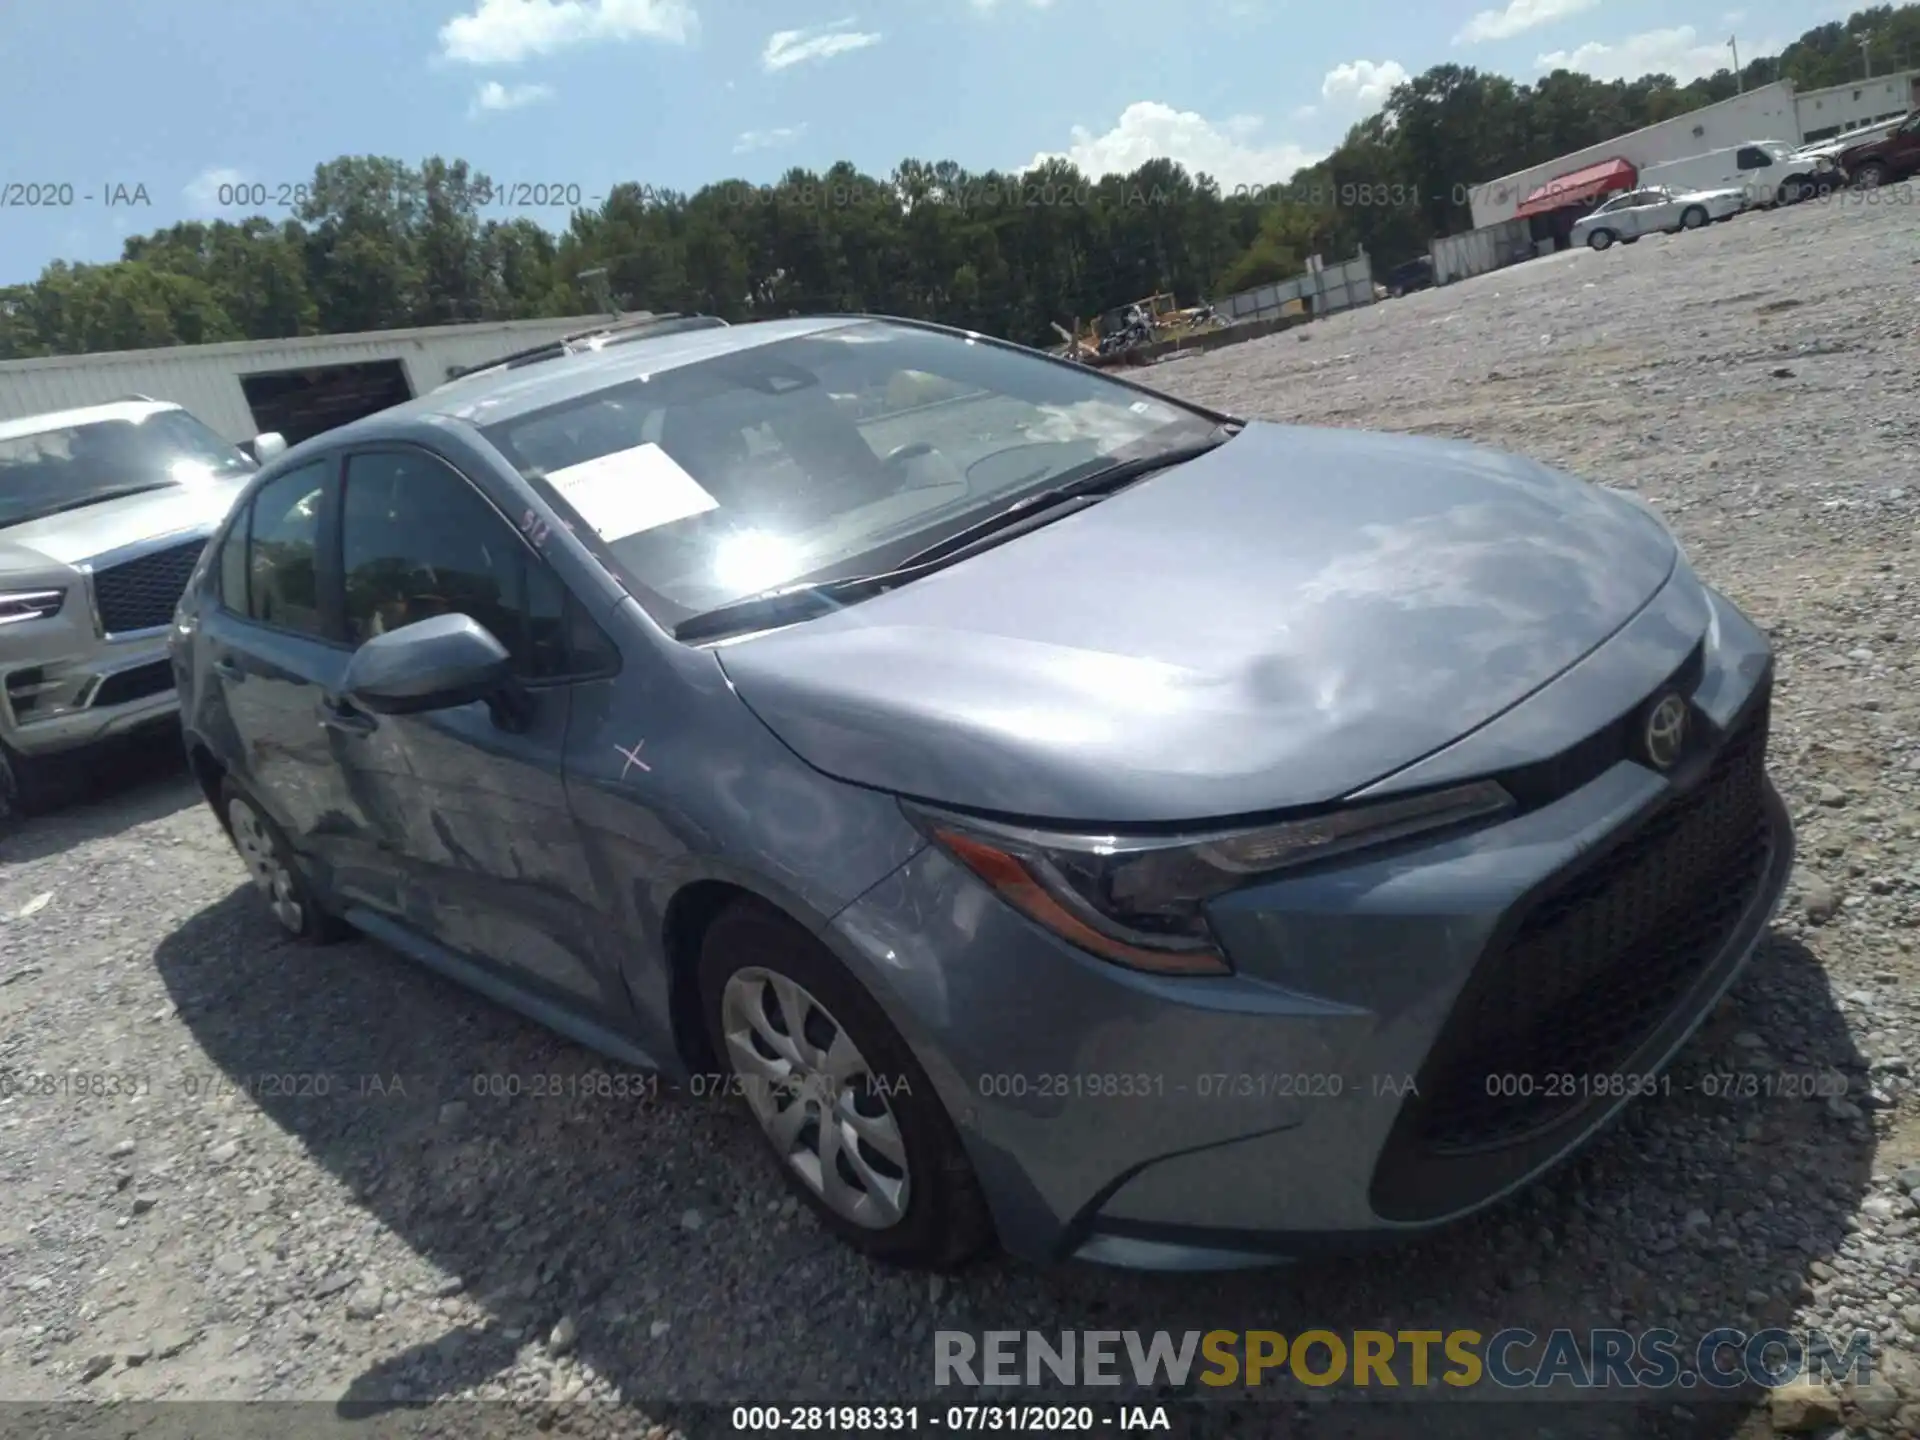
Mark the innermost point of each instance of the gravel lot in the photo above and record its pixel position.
(382, 1233)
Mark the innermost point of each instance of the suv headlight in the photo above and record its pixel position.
(1140, 901)
(19, 605)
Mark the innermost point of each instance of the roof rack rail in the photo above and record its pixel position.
(613, 333)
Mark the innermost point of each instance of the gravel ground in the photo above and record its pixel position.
(368, 1229)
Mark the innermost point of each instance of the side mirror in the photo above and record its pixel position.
(268, 445)
(433, 664)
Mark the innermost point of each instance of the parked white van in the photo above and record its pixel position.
(1768, 170)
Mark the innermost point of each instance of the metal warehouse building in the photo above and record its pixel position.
(1530, 211)
(297, 387)
(1823, 114)
(1766, 113)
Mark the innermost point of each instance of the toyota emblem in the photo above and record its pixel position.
(1666, 733)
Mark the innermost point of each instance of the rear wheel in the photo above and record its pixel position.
(1600, 239)
(849, 1113)
(1693, 217)
(270, 865)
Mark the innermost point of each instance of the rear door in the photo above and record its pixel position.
(1658, 210)
(275, 652)
(478, 847)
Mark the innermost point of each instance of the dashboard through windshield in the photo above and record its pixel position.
(834, 453)
(48, 472)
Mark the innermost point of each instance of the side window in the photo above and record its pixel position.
(283, 546)
(417, 540)
(1751, 157)
(233, 564)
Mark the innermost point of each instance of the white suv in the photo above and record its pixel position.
(103, 514)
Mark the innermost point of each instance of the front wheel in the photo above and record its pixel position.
(847, 1110)
(1870, 176)
(1600, 239)
(1693, 217)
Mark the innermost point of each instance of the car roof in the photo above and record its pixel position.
(134, 410)
(491, 396)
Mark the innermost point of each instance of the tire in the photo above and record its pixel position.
(28, 786)
(1694, 217)
(270, 865)
(1870, 176)
(903, 1192)
(1600, 239)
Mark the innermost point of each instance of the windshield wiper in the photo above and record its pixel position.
(99, 497)
(804, 601)
(1100, 482)
(791, 602)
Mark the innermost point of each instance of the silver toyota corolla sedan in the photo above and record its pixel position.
(1061, 815)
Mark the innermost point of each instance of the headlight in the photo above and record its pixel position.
(18, 605)
(1140, 901)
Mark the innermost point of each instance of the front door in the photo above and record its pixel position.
(470, 808)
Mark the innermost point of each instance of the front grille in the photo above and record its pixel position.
(1599, 962)
(143, 593)
(136, 683)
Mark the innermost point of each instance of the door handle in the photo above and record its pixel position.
(344, 718)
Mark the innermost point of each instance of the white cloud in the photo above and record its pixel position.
(1519, 16)
(822, 42)
(500, 32)
(1678, 52)
(1362, 82)
(1733, 17)
(988, 6)
(203, 191)
(768, 139)
(1230, 151)
(495, 96)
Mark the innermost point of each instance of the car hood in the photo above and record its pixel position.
(1279, 623)
(76, 535)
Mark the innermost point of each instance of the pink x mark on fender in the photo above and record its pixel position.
(633, 758)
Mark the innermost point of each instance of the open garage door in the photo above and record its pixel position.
(300, 404)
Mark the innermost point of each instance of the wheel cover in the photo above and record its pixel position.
(826, 1114)
(270, 875)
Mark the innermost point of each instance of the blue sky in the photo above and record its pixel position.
(181, 97)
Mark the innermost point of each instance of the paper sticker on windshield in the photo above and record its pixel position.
(630, 491)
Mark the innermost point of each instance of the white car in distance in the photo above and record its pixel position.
(1628, 216)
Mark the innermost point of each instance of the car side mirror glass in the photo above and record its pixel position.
(268, 445)
(434, 664)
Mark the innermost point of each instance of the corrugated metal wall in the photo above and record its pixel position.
(1455, 257)
(1335, 288)
(206, 378)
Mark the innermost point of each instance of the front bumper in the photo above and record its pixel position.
(63, 687)
(1348, 1084)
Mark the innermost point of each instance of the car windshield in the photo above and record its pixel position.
(836, 453)
(48, 471)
